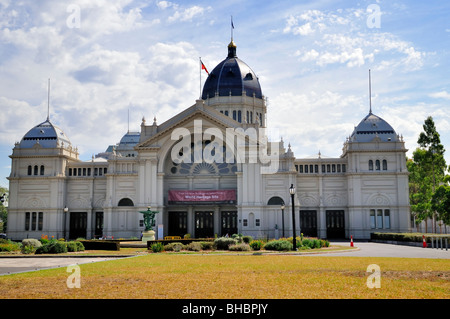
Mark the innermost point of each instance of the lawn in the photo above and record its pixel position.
(213, 276)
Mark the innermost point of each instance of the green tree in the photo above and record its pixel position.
(440, 203)
(427, 170)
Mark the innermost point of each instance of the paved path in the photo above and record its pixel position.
(369, 249)
(11, 265)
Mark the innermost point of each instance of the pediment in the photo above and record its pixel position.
(208, 116)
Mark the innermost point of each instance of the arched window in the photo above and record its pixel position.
(370, 165)
(377, 165)
(42, 170)
(275, 201)
(35, 169)
(125, 202)
(30, 170)
(384, 165)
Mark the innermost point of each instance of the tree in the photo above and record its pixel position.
(440, 203)
(427, 171)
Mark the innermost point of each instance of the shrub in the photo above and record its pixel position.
(247, 239)
(157, 247)
(53, 247)
(194, 246)
(174, 247)
(31, 242)
(278, 245)
(207, 245)
(72, 246)
(256, 244)
(8, 245)
(80, 246)
(222, 243)
(240, 247)
(325, 243)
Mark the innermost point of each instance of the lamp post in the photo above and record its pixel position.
(282, 216)
(292, 192)
(65, 210)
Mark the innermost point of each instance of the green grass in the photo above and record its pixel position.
(213, 276)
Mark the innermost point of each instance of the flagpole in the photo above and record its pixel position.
(200, 86)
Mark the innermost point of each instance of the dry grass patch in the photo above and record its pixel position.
(213, 276)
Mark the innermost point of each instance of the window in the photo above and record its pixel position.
(311, 169)
(35, 169)
(40, 220)
(234, 115)
(33, 221)
(328, 168)
(384, 165)
(245, 223)
(27, 221)
(323, 168)
(387, 218)
(239, 116)
(338, 168)
(370, 165)
(316, 169)
(380, 218)
(333, 168)
(125, 202)
(300, 168)
(42, 170)
(257, 222)
(377, 165)
(70, 172)
(30, 170)
(306, 168)
(343, 168)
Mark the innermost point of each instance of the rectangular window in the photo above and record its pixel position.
(301, 168)
(339, 168)
(89, 171)
(316, 169)
(27, 221)
(84, 171)
(257, 222)
(40, 220)
(33, 221)
(70, 172)
(245, 222)
(379, 218)
(372, 218)
(323, 168)
(387, 218)
(333, 168)
(311, 168)
(328, 168)
(343, 168)
(306, 168)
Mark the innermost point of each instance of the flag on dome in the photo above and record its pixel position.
(204, 67)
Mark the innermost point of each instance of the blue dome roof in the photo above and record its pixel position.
(232, 76)
(374, 126)
(46, 134)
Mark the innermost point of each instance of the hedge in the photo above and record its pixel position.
(100, 245)
(405, 237)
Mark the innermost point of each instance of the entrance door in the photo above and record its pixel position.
(229, 223)
(308, 223)
(335, 223)
(98, 232)
(78, 225)
(204, 224)
(177, 224)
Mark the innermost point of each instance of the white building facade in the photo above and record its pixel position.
(208, 171)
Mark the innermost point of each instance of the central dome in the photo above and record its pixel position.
(374, 126)
(232, 77)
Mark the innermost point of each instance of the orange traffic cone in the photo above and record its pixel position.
(351, 241)
(424, 242)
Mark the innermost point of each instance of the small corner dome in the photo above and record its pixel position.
(374, 126)
(232, 77)
(46, 135)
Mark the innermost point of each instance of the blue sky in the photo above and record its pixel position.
(106, 58)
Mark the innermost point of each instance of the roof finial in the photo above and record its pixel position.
(232, 46)
(232, 28)
(48, 101)
(370, 94)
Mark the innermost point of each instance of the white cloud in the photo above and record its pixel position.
(188, 14)
(441, 95)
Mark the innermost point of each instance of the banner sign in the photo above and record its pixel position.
(202, 196)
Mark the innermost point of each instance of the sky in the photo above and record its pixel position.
(111, 63)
